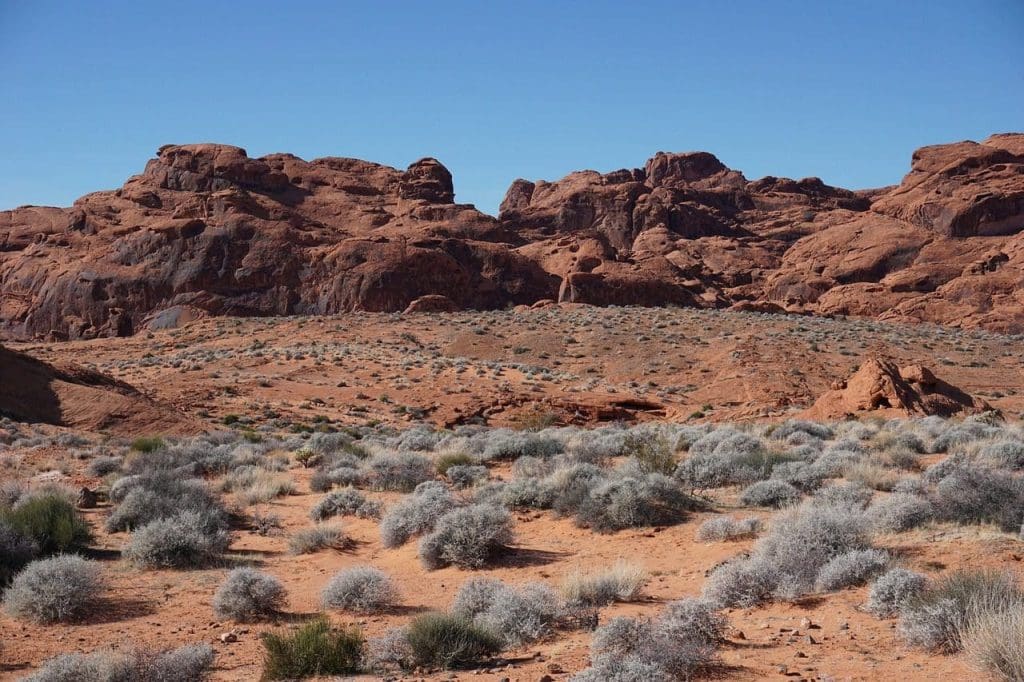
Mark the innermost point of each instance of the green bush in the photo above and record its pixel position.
(312, 650)
(308, 458)
(442, 640)
(652, 451)
(51, 520)
(450, 459)
(147, 444)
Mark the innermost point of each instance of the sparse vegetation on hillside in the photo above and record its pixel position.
(839, 506)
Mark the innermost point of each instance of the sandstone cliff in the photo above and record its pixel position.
(206, 230)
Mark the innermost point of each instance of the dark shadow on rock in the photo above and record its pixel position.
(25, 392)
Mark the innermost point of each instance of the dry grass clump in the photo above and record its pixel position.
(994, 642)
(622, 582)
(266, 488)
(872, 475)
(310, 540)
(721, 528)
(942, 616)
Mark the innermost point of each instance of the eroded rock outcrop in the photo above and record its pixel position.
(944, 246)
(964, 189)
(879, 385)
(207, 230)
(72, 396)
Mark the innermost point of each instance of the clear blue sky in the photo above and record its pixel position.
(497, 90)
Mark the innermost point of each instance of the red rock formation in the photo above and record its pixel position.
(880, 386)
(206, 230)
(432, 303)
(72, 396)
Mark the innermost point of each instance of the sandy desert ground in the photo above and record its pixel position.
(278, 380)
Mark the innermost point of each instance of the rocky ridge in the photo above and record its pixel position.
(206, 230)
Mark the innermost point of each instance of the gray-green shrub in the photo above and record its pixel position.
(362, 589)
(345, 502)
(401, 471)
(247, 595)
(851, 568)
(416, 513)
(181, 541)
(52, 590)
(771, 493)
(517, 614)
(189, 663)
(892, 590)
(628, 502)
(678, 644)
(468, 537)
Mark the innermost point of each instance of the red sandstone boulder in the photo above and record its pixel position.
(76, 397)
(880, 386)
(432, 303)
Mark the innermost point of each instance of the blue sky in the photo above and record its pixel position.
(499, 90)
